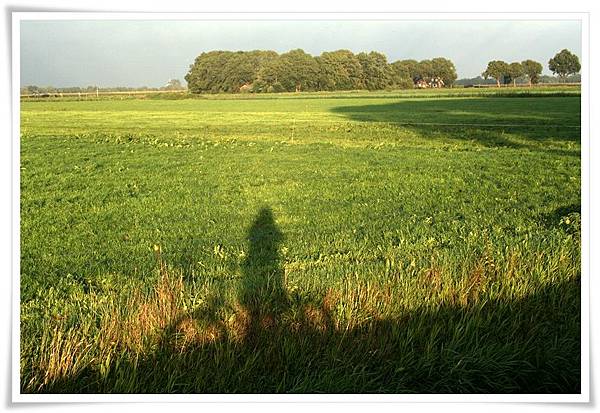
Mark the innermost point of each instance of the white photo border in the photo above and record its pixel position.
(583, 397)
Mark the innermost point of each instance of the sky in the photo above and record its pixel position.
(107, 53)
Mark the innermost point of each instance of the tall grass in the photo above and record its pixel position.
(510, 324)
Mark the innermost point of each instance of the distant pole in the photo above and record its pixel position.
(293, 128)
(96, 91)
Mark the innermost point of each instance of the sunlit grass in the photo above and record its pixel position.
(397, 253)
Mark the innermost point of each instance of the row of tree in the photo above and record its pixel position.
(563, 64)
(478, 80)
(172, 84)
(267, 71)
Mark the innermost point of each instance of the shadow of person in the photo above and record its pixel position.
(503, 344)
(262, 293)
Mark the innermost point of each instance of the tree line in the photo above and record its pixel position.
(171, 85)
(563, 64)
(479, 80)
(261, 71)
(264, 71)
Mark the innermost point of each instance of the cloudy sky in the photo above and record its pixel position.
(148, 53)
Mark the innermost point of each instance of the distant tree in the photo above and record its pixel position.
(444, 68)
(32, 89)
(576, 78)
(270, 72)
(478, 80)
(265, 71)
(496, 69)
(205, 73)
(401, 77)
(532, 70)
(259, 86)
(339, 70)
(425, 70)
(173, 84)
(513, 72)
(244, 68)
(413, 68)
(564, 63)
(376, 73)
(225, 71)
(295, 71)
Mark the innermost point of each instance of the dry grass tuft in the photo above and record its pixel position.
(330, 300)
(63, 356)
(147, 316)
(431, 282)
(240, 324)
(268, 322)
(134, 327)
(316, 318)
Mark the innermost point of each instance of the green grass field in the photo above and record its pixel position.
(312, 243)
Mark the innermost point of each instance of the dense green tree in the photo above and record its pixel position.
(203, 73)
(513, 72)
(428, 70)
(376, 73)
(293, 71)
(339, 70)
(564, 63)
(259, 86)
(265, 71)
(243, 68)
(271, 72)
(224, 71)
(401, 77)
(413, 68)
(444, 69)
(425, 70)
(532, 70)
(496, 69)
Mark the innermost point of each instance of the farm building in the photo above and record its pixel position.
(435, 82)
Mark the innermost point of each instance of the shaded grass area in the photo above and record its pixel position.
(300, 246)
(490, 123)
(474, 334)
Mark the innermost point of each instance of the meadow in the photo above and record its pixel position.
(387, 242)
